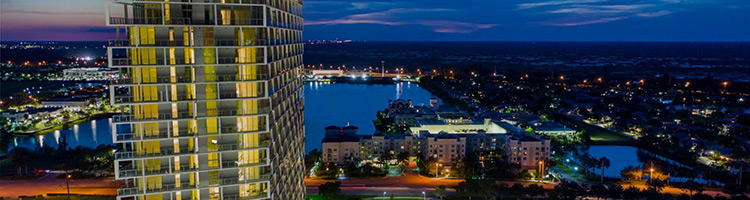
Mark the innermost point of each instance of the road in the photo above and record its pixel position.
(672, 190)
(402, 185)
(50, 184)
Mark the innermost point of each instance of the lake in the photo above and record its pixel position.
(325, 104)
(619, 157)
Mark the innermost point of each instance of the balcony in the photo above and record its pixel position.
(189, 79)
(233, 112)
(127, 191)
(182, 21)
(235, 147)
(152, 21)
(181, 43)
(235, 130)
(238, 197)
(126, 173)
(181, 61)
(204, 1)
(162, 134)
(153, 99)
(163, 152)
(152, 117)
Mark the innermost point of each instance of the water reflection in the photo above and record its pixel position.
(336, 104)
(84, 134)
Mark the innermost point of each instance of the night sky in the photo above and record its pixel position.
(436, 20)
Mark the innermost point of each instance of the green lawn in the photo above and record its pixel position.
(599, 135)
(565, 169)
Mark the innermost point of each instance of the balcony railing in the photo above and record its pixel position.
(234, 147)
(163, 152)
(234, 129)
(181, 43)
(183, 21)
(240, 22)
(233, 112)
(235, 60)
(148, 99)
(169, 79)
(238, 197)
(163, 133)
(208, 1)
(182, 61)
(143, 117)
(124, 191)
(236, 180)
(151, 20)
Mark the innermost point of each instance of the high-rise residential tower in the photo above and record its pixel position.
(211, 98)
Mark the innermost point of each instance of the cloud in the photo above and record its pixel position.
(387, 17)
(445, 26)
(591, 9)
(393, 17)
(581, 23)
(554, 3)
(655, 14)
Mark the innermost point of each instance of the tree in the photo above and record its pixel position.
(569, 190)
(517, 190)
(329, 190)
(733, 189)
(655, 184)
(479, 188)
(534, 190)
(604, 164)
(631, 193)
(598, 190)
(632, 173)
(502, 189)
(692, 188)
(402, 158)
(21, 158)
(311, 158)
(386, 158)
(614, 191)
(440, 191)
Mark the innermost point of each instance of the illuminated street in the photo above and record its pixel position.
(50, 184)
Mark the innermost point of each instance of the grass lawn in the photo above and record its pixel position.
(565, 169)
(599, 135)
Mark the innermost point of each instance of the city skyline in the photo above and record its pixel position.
(544, 20)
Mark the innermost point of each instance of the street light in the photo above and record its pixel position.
(541, 171)
(424, 196)
(725, 83)
(67, 184)
(436, 170)
(383, 193)
(651, 175)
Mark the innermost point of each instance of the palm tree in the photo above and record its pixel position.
(604, 164)
(692, 188)
(440, 191)
(402, 158)
(385, 158)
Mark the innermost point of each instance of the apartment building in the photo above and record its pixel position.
(212, 103)
(527, 150)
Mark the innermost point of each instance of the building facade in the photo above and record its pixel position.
(212, 99)
(527, 150)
